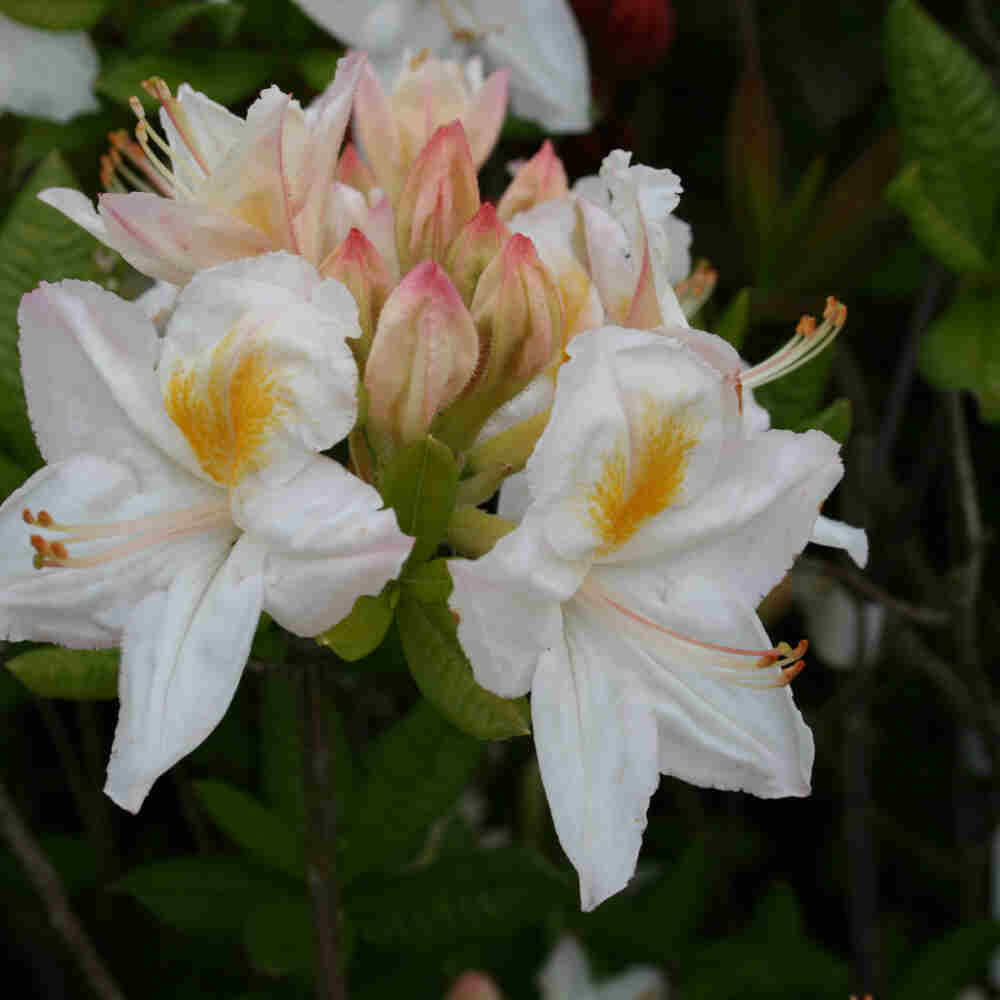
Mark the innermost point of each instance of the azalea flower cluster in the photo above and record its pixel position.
(316, 292)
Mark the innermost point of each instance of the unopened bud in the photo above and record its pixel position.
(478, 242)
(354, 172)
(424, 352)
(440, 195)
(474, 986)
(542, 178)
(357, 264)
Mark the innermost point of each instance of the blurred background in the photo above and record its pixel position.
(815, 143)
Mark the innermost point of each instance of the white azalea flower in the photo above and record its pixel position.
(48, 74)
(625, 598)
(566, 976)
(538, 39)
(235, 188)
(184, 493)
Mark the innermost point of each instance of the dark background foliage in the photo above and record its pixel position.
(787, 123)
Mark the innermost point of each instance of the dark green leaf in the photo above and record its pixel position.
(950, 963)
(360, 633)
(949, 113)
(953, 246)
(55, 15)
(11, 476)
(40, 137)
(72, 857)
(835, 420)
(416, 772)
(459, 899)
(260, 832)
(39, 244)
(281, 748)
(962, 349)
(444, 675)
(76, 674)
(279, 937)
(226, 76)
(206, 894)
(270, 642)
(733, 323)
(318, 66)
(420, 484)
(156, 30)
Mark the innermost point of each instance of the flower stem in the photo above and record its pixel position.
(321, 836)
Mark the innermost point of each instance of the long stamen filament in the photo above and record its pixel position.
(157, 87)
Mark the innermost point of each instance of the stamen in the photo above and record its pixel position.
(156, 87)
(738, 666)
(140, 533)
(696, 289)
(807, 341)
(460, 34)
(123, 148)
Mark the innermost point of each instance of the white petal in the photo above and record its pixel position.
(566, 973)
(88, 607)
(88, 364)
(157, 302)
(839, 535)
(713, 731)
(75, 205)
(329, 542)
(213, 128)
(637, 983)
(49, 74)
(183, 653)
(515, 497)
(596, 743)
(537, 396)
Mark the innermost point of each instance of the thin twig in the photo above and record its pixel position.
(49, 886)
(321, 833)
(906, 367)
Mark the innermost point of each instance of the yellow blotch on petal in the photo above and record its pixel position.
(641, 481)
(574, 290)
(227, 408)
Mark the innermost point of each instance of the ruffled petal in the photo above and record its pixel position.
(596, 742)
(183, 653)
(714, 728)
(88, 364)
(88, 607)
(328, 541)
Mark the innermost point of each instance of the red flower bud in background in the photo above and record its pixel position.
(625, 37)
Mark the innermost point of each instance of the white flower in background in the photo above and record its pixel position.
(184, 492)
(625, 598)
(538, 39)
(566, 976)
(233, 188)
(48, 74)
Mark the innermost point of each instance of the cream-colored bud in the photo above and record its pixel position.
(354, 172)
(423, 355)
(473, 249)
(542, 178)
(440, 195)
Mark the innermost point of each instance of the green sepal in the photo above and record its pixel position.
(361, 632)
(75, 674)
(442, 670)
(420, 483)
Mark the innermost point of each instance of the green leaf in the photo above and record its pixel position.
(39, 244)
(949, 114)
(260, 832)
(794, 399)
(77, 674)
(156, 30)
(457, 900)
(835, 420)
(429, 583)
(733, 323)
(444, 675)
(280, 748)
(11, 476)
(416, 771)
(279, 937)
(318, 66)
(226, 76)
(360, 633)
(206, 895)
(270, 642)
(40, 137)
(950, 964)
(961, 350)
(950, 244)
(55, 15)
(420, 484)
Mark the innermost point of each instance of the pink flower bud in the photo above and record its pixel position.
(475, 246)
(518, 312)
(441, 194)
(357, 264)
(354, 172)
(425, 350)
(474, 986)
(542, 178)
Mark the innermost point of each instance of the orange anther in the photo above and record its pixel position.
(59, 550)
(790, 673)
(807, 325)
(27, 516)
(45, 519)
(39, 544)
